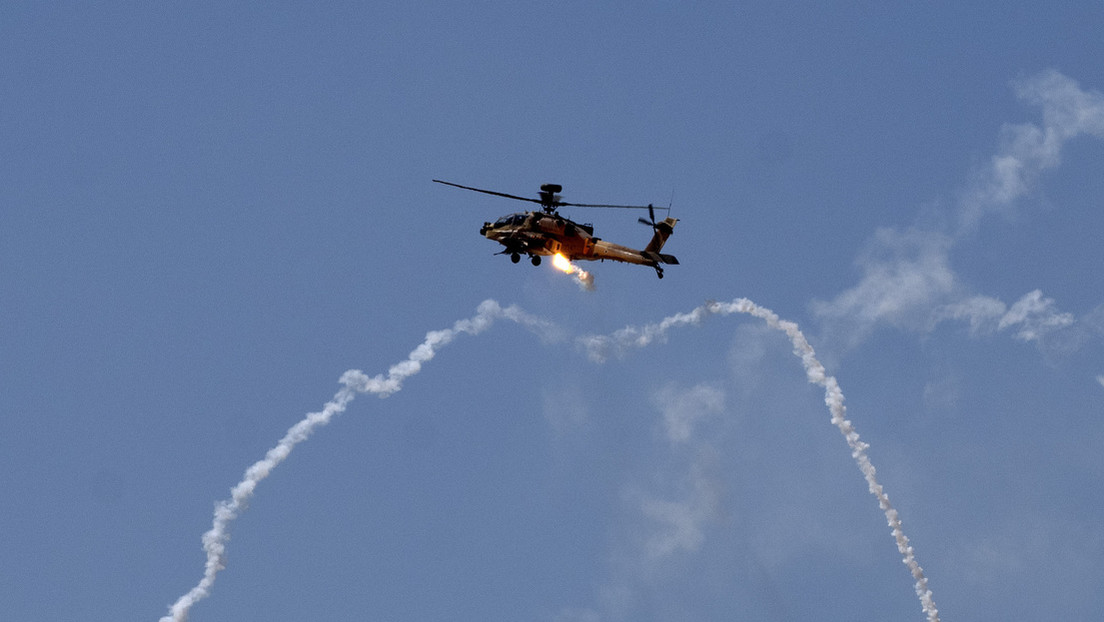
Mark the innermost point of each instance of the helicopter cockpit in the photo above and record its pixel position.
(511, 220)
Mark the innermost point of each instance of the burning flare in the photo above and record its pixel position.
(584, 278)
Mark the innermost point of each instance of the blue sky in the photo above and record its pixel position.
(208, 214)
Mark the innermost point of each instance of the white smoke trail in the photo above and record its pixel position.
(601, 346)
(584, 279)
(354, 381)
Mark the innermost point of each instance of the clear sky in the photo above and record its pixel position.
(210, 212)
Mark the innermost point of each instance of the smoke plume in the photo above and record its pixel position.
(600, 347)
(354, 382)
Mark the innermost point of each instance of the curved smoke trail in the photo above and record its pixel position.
(354, 381)
(600, 347)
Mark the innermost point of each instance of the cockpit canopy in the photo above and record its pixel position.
(513, 220)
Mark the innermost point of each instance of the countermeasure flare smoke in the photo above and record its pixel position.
(354, 381)
(600, 347)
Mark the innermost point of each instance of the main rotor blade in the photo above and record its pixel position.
(566, 204)
(497, 194)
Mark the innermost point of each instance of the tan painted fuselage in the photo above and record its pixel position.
(539, 234)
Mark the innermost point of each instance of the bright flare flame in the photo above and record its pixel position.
(584, 278)
(562, 263)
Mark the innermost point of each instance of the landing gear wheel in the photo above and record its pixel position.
(514, 257)
(535, 260)
(659, 272)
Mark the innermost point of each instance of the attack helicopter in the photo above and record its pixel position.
(546, 232)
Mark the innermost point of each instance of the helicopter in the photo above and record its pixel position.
(546, 232)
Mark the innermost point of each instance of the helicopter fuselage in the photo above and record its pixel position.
(540, 234)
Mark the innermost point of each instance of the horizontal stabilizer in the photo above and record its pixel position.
(660, 258)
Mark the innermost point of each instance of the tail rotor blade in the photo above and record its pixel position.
(651, 214)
